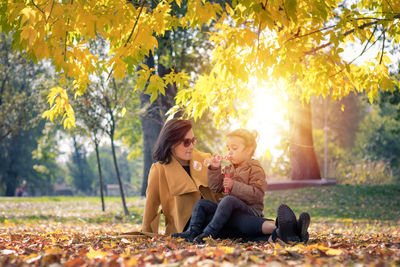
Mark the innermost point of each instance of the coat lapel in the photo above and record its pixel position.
(179, 182)
(198, 170)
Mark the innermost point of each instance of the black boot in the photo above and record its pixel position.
(287, 224)
(188, 235)
(302, 226)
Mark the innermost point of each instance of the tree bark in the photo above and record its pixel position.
(121, 189)
(100, 175)
(154, 119)
(151, 127)
(302, 155)
(11, 184)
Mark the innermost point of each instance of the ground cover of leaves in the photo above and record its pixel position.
(75, 232)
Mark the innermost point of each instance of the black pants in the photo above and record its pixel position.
(231, 218)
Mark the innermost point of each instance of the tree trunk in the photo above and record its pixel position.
(11, 183)
(121, 189)
(151, 127)
(154, 119)
(100, 176)
(302, 155)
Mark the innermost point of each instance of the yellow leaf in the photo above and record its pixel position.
(96, 254)
(333, 252)
(125, 241)
(227, 250)
(55, 250)
(131, 262)
(28, 33)
(32, 257)
(127, 253)
(254, 258)
(27, 14)
(123, 112)
(267, 154)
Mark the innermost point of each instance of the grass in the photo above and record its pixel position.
(359, 202)
(69, 209)
(356, 202)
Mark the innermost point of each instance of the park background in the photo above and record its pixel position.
(84, 94)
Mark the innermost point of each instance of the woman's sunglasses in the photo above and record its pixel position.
(187, 141)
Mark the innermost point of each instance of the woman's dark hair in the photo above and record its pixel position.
(173, 132)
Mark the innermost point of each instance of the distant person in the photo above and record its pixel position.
(21, 191)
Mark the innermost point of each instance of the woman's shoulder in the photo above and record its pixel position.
(157, 166)
(199, 154)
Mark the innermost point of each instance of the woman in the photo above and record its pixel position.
(177, 180)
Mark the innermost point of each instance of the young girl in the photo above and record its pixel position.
(246, 188)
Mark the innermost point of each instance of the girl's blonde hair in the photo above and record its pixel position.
(249, 138)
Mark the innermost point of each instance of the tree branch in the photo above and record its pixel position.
(5, 135)
(265, 5)
(51, 10)
(389, 5)
(369, 40)
(130, 35)
(41, 11)
(383, 46)
(38, 8)
(365, 49)
(66, 37)
(349, 32)
(315, 49)
(3, 84)
(323, 29)
(136, 22)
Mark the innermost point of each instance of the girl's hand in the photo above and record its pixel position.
(216, 161)
(228, 183)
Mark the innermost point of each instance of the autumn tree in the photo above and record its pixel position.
(79, 170)
(21, 105)
(298, 43)
(20, 90)
(90, 122)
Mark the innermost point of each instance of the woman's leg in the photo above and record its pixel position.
(202, 214)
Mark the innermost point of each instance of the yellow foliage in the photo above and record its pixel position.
(96, 254)
(282, 40)
(59, 107)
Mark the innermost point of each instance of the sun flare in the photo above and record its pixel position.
(268, 118)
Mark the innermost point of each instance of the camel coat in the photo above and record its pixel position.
(170, 187)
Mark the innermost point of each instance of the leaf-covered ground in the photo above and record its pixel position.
(350, 226)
